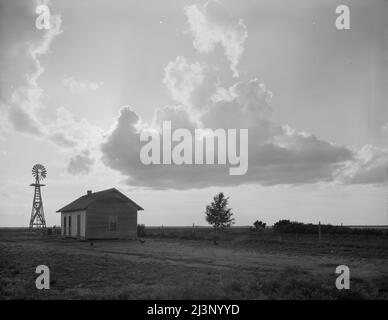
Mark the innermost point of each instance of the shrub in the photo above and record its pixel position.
(287, 226)
(141, 230)
(258, 226)
(57, 230)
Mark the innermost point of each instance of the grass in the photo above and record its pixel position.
(362, 245)
(240, 267)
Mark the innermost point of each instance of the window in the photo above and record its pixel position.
(113, 223)
(69, 225)
(64, 225)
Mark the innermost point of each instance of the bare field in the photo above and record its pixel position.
(182, 264)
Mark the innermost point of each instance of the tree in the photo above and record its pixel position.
(259, 225)
(218, 214)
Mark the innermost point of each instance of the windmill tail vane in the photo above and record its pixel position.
(37, 213)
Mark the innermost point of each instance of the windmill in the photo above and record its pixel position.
(37, 214)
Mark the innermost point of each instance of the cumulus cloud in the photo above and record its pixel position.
(126, 135)
(24, 108)
(278, 154)
(77, 86)
(68, 131)
(210, 27)
(60, 139)
(41, 48)
(368, 167)
(245, 104)
(26, 99)
(190, 83)
(80, 164)
(182, 78)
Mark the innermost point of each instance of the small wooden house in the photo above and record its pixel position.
(106, 214)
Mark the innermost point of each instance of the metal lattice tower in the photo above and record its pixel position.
(37, 214)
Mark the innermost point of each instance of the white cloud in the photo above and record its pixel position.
(245, 104)
(182, 78)
(25, 105)
(190, 84)
(41, 48)
(81, 132)
(368, 167)
(210, 27)
(180, 117)
(26, 100)
(277, 154)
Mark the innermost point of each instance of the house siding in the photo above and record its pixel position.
(99, 213)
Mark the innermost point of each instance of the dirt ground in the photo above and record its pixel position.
(173, 268)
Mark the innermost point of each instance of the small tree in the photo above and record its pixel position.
(259, 225)
(218, 214)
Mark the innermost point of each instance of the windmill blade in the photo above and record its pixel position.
(39, 171)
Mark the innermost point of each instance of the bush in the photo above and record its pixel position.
(57, 230)
(258, 226)
(287, 226)
(141, 230)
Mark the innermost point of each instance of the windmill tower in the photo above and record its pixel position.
(37, 214)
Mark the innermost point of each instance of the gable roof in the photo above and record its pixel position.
(83, 202)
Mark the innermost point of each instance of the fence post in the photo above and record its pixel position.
(319, 231)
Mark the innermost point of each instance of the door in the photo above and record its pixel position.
(78, 225)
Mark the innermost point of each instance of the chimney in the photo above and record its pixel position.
(89, 192)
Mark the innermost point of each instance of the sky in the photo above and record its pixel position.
(77, 97)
